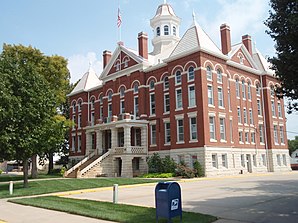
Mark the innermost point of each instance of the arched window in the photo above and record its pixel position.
(125, 61)
(100, 99)
(209, 73)
(80, 105)
(158, 31)
(249, 90)
(178, 77)
(166, 30)
(110, 95)
(122, 92)
(74, 107)
(136, 88)
(92, 103)
(243, 90)
(166, 83)
(191, 73)
(258, 89)
(272, 91)
(174, 30)
(151, 85)
(117, 65)
(237, 88)
(219, 76)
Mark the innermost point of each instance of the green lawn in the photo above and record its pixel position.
(107, 211)
(7, 178)
(59, 185)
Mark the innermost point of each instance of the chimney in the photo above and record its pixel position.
(143, 45)
(225, 38)
(246, 40)
(106, 57)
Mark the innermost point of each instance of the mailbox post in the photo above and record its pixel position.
(168, 200)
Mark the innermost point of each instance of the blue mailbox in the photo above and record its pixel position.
(168, 200)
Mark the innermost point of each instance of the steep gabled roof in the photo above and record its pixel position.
(262, 64)
(87, 82)
(195, 38)
(240, 47)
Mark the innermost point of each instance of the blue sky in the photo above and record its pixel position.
(80, 30)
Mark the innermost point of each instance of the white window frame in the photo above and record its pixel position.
(214, 161)
(210, 95)
(191, 74)
(110, 110)
(180, 130)
(213, 128)
(179, 99)
(136, 106)
(167, 133)
(222, 129)
(224, 160)
(281, 135)
(279, 110)
(153, 135)
(152, 104)
(193, 129)
(191, 96)
(122, 106)
(167, 103)
(79, 143)
(275, 134)
(273, 109)
(209, 73)
(178, 78)
(220, 97)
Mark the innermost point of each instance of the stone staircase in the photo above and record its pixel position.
(92, 166)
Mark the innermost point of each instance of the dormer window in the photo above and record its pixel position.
(158, 31)
(174, 30)
(117, 65)
(241, 59)
(125, 61)
(166, 30)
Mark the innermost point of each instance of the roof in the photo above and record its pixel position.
(262, 63)
(164, 10)
(87, 82)
(195, 38)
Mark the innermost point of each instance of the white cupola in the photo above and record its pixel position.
(165, 26)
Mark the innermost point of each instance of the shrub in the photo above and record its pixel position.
(184, 171)
(158, 175)
(1, 172)
(168, 165)
(62, 171)
(155, 163)
(198, 169)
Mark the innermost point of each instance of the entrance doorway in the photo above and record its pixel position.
(248, 162)
(119, 166)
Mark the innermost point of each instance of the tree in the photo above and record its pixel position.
(283, 26)
(293, 144)
(26, 103)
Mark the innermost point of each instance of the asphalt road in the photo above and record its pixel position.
(271, 198)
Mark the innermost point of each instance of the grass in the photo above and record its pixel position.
(7, 178)
(107, 211)
(158, 175)
(59, 185)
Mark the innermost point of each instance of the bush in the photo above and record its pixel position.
(168, 165)
(158, 175)
(1, 172)
(155, 163)
(184, 171)
(62, 171)
(198, 169)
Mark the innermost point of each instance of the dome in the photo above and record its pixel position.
(164, 10)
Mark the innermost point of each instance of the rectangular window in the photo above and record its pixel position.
(153, 134)
(275, 134)
(246, 137)
(136, 106)
(229, 99)
(254, 157)
(210, 95)
(237, 88)
(249, 92)
(261, 131)
(278, 160)
(239, 115)
(152, 104)
(243, 90)
(193, 129)
(79, 143)
(73, 144)
(220, 97)
(101, 112)
(167, 102)
(284, 158)
(224, 160)
(180, 130)
(253, 137)
(93, 141)
(273, 108)
(92, 119)
(231, 130)
(259, 107)
(214, 160)
(110, 112)
(245, 115)
(251, 118)
(212, 127)
(191, 96)
(122, 107)
(167, 133)
(281, 132)
(74, 122)
(178, 98)
(240, 137)
(279, 110)
(80, 121)
(242, 160)
(222, 129)
(264, 162)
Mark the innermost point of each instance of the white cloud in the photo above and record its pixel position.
(78, 65)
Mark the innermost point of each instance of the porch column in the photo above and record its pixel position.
(144, 137)
(114, 137)
(127, 167)
(127, 138)
(88, 143)
(99, 142)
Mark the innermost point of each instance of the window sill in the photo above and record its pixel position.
(247, 143)
(167, 144)
(213, 140)
(192, 107)
(211, 106)
(182, 142)
(152, 116)
(221, 107)
(224, 141)
(262, 144)
(166, 113)
(153, 145)
(193, 141)
(241, 143)
(178, 109)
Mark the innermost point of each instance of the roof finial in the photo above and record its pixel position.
(194, 22)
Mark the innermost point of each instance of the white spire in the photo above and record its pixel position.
(194, 20)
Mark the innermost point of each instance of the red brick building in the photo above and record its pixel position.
(187, 99)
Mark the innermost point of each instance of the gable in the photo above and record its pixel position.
(241, 56)
(122, 61)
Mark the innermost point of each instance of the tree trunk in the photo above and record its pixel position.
(51, 163)
(34, 172)
(25, 171)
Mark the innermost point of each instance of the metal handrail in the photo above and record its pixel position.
(87, 168)
(80, 163)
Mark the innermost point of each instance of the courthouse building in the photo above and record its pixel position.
(187, 99)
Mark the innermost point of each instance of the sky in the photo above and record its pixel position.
(80, 30)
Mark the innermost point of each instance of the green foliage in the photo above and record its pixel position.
(283, 26)
(161, 165)
(198, 169)
(62, 171)
(158, 175)
(293, 144)
(184, 171)
(1, 172)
